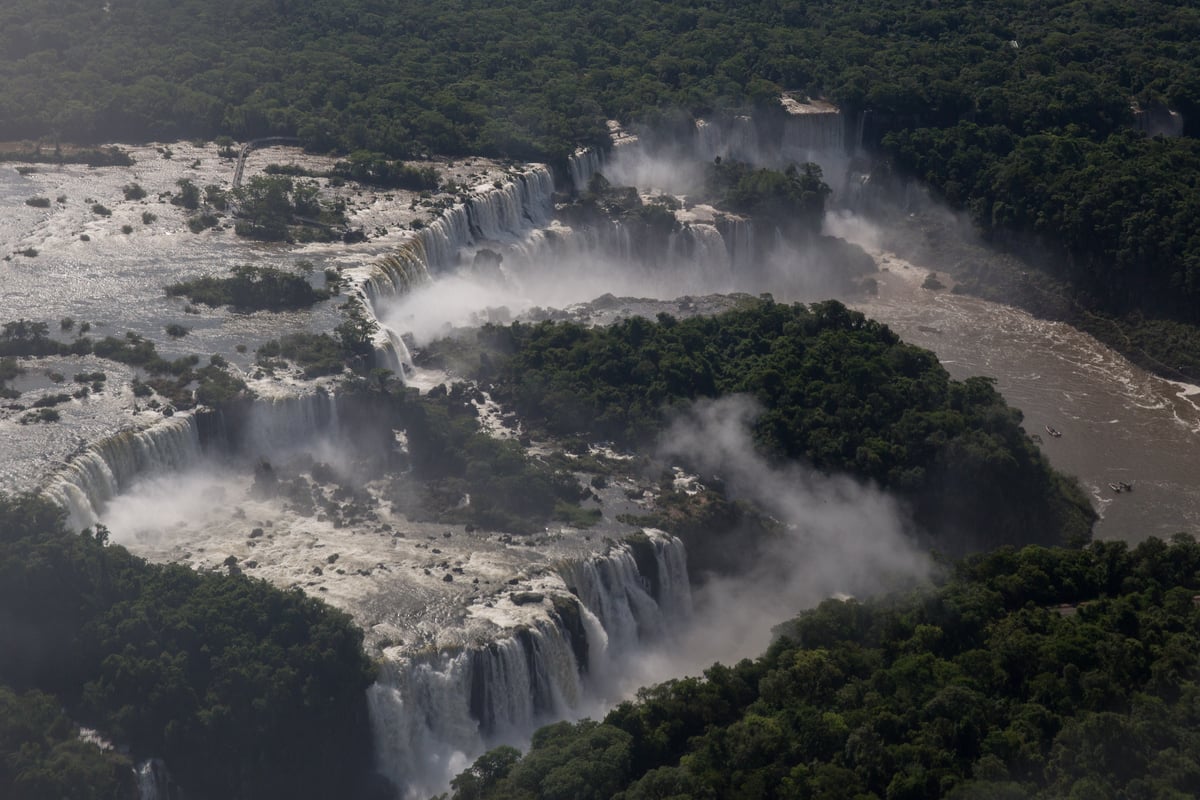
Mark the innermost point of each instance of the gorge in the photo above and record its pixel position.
(482, 635)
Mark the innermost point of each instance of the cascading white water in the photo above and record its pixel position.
(613, 589)
(153, 780)
(91, 479)
(506, 213)
(98, 474)
(391, 352)
(806, 136)
(433, 713)
(513, 208)
(810, 131)
(399, 271)
(503, 212)
(675, 590)
(276, 424)
(582, 165)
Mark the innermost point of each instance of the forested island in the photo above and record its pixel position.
(838, 391)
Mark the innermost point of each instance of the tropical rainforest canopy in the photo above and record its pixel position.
(1024, 114)
(246, 690)
(839, 391)
(1032, 117)
(1033, 673)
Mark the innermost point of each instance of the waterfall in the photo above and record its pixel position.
(860, 127)
(582, 165)
(276, 424)
(675, 591)
(630, 600)
(398, 272)
(512, 208)
(738, 235)
(391, 352)
(99, 473)
(810, 131)
(701, 246)
(505, 212)
(153, 780)
(432, 713)
(587, 161)
(265, 427)
(808, 135)
(501, 212)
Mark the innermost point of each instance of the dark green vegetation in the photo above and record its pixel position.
(250, 288)
(182, 383)
(43, 756)
(35, 152)
(9, 369)
(321, 354)
(792, 200)
(371, 169)
(1039, 673)
(538, 78)
(453, 458)
(838, 391)
(315, 353)
(1020, 113)
(245, 690)
(276, 208)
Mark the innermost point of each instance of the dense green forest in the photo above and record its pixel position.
(246, 690)
(839, 391)
(1021, 113)
(1033, 673)
(538, 78)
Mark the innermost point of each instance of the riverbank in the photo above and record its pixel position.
(950, 244)
(1119, 421)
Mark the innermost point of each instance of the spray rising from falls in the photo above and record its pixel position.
(840, 537)
(499, 214)
(263, 428)
(102, 471)
(620, 621)
(433, 713)
(640, 251)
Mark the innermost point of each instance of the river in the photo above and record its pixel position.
(415, 586)
(1118, 422)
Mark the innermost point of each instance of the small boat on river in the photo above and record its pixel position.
(1120, 486)
(1053, 432)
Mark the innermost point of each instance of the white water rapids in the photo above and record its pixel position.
(476, 643)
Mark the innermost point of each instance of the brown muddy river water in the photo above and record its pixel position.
(1118, 422)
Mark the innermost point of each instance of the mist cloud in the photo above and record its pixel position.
(841, 537)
